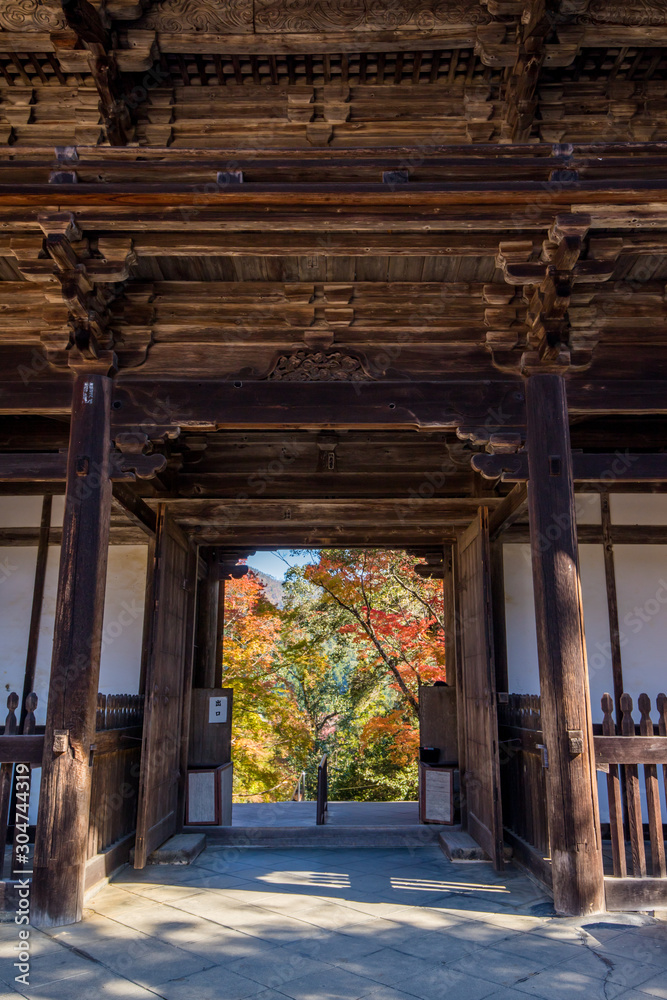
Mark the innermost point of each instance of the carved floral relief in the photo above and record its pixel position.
(200, 15)
(372, 15)
(634, 13)
(319, 366)
(31, 15)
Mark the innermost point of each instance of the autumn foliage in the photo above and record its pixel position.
(338, 668)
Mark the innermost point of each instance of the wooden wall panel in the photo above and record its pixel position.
(168, 669)
(482, 774)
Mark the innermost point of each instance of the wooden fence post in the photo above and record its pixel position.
(574, 821)
(62, 824)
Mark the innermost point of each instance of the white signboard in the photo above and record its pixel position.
(217, 709)
(438, 793)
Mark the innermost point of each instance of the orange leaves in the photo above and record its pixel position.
(385, 605)
(399, 737)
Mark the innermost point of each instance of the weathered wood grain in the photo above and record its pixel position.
(62, 823)
(574, 822)
(481, 780)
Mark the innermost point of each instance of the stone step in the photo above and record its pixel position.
(457, 845)
(320, 836)
(182, 849)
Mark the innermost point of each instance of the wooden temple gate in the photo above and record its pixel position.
(341, 278)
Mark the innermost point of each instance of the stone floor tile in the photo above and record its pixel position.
(213, 984)
(333, 947)
(497, 967)
(144, 959)
(98, 982)
(326, 924)
(334, 984)
(390, 993)
(556, 984)
(277, 968)
(387, 966)
(49, 968)
(442, 983)
(639, 945)
(614, 969)
(507, 993)
(654, 986)
(332, 916)
(39, 944)
(541, 950)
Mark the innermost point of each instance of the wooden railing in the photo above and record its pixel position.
(622, 755)
(115, 779)
(116, 711)
(322, 790)
(634, 755)
(18, 753)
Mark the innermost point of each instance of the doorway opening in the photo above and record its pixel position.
(326, 651)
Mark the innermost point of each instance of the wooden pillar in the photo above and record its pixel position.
(207, 623)
(612, 607)
(449, 615)
(62, 823)
(220, 645)
(572, 803)
(499, 616)
(453, 659)
(37, 600)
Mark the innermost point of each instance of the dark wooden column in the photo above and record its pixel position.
(449, 596)
(37, 601)
(574, 822)
(62, 824)
(612, 607)
(206, 641)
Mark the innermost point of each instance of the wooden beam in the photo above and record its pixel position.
(22, 749)
(615, 467)
(630, 749)
(574, 822)
(51, 467)
(136, 509)
(511, 508)
(207, 404)
(592, 534)
(62, 824)
(635, 893)
(359, 512)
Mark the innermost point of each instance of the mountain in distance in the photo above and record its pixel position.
(273, 589)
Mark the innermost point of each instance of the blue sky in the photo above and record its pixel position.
(277, 563)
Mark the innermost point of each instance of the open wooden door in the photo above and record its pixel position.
(168, 686)
(481, 778)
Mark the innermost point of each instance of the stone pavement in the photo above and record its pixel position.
(336, 924)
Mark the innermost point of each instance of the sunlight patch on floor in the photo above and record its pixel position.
(433, 885)
(330, 880)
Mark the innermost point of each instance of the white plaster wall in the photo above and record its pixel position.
(17, 574)
(638, 508)
(523, 669)
(20, 512)
(122, 632)
(120, 663)
(641, 587)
